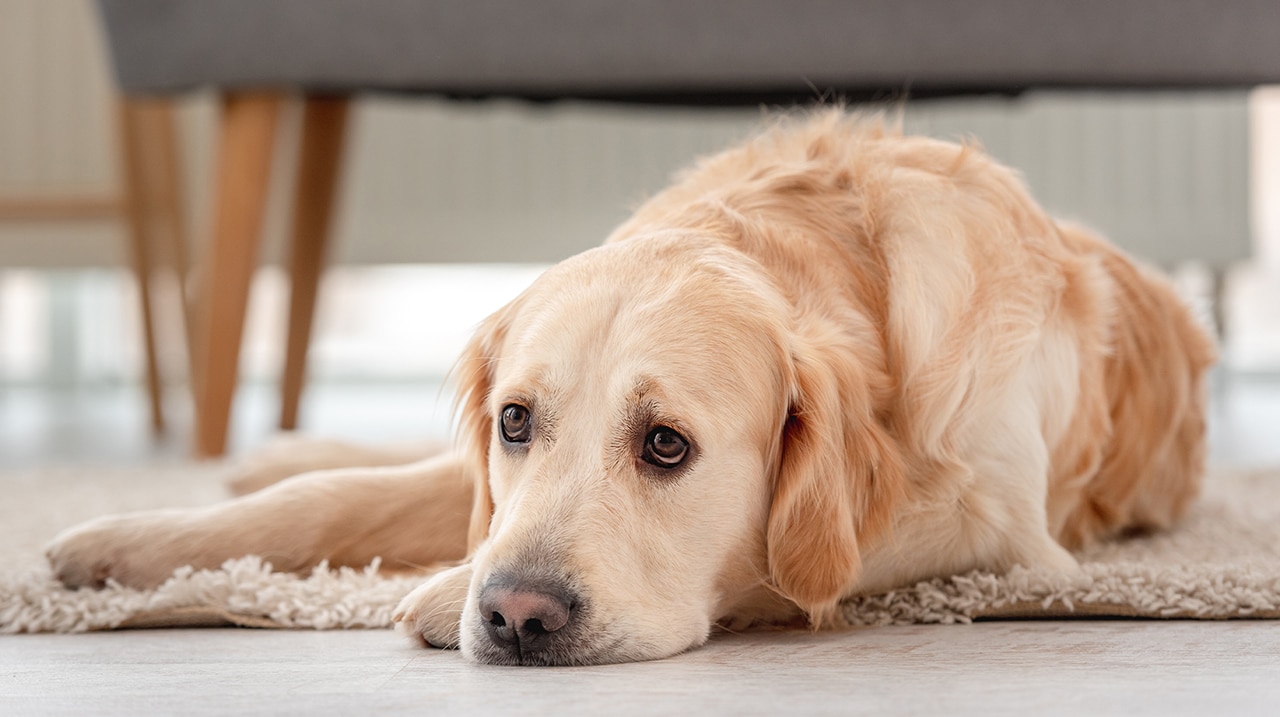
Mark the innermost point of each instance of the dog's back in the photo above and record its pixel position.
(852, 199)
(1150, 404)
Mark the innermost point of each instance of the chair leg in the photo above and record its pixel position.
(319, 162)
(168, 210)
(246, 135)
(130, 121)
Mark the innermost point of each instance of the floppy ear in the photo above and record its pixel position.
(474, 371)
(840, 472)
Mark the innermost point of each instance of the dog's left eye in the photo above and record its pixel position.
(665, 448)
(515, 424)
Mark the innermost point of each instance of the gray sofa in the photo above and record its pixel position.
(691, 51)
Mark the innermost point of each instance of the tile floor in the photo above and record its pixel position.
(1023, 668)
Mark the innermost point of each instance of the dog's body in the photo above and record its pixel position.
(829, 362)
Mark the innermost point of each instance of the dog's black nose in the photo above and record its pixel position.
(522, 620)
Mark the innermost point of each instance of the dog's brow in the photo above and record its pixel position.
(531, 385)
(646, 388)
(648, 403)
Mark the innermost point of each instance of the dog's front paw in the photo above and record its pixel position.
(431, 613)
(137, 550)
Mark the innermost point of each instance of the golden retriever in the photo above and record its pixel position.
(831, 361)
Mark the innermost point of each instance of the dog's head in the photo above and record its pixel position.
(663, 441)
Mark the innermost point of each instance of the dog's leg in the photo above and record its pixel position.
(289, 454)
(410, 516)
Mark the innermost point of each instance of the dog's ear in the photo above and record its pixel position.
(474, 376)
(840, 471)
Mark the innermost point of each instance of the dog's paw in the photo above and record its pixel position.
(431, 614)
(135, 550)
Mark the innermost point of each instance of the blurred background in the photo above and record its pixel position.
(445, 210)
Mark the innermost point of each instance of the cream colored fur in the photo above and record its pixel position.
(889, 364)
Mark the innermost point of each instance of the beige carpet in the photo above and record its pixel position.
(1223, 561)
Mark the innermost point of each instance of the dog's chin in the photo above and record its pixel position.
(590, 646)
(479, 649)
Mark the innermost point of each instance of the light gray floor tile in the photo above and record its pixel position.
(1063, 667)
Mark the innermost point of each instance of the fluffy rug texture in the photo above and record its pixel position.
(1222, 561)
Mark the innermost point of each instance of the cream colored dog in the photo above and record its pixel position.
(831, 361)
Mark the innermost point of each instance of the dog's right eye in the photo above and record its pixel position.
(515, 424)
(665, 448)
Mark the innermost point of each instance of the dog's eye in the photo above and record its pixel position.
(665, 448)
(515, 424)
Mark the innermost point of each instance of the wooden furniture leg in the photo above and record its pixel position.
(133, 162)
(246, 138)
(168, 210)
(149, 191)
(319, 161)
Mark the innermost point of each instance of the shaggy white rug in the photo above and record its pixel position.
(1222, 561)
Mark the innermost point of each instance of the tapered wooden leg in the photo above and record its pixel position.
(247, 136)
(168, 208)
(130, 121)
(319, 162)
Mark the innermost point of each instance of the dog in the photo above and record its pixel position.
(831, 361)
